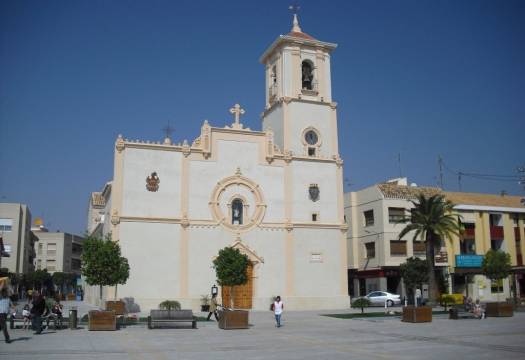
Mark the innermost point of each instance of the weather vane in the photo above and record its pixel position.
(294, 8)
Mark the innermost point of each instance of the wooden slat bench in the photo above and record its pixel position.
(459, 312)
(161, 317)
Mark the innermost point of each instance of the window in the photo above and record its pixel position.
(370, 250)
(495, 220)
(6, 224)
(515, 218)
(75, 264)
(40, 247)
(496, 286)
(395, 215)
(398, 247)
(51, 249)
(39, 264)
(467, 246)
(51, 265)
(237, 209)
(419, 248)
(311, 151)
(307, 75)
(314, 216)
(316, 257)
(369, 217)
(76, 248)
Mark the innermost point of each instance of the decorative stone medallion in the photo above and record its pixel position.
(313, 191)
(152, 182)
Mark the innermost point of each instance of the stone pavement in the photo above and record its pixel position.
(305, 335)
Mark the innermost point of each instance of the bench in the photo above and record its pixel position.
(459, 312)
(18, 318)
(161, 317)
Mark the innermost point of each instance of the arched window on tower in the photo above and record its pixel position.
(237, 209)
(308, 75)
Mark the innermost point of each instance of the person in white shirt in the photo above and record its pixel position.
(5, 306)
(278, 308)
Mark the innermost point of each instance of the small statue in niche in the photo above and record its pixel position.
(152, 182)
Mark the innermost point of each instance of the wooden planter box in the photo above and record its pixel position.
(71, 297)
(499, 309)
(119, 307)
(102, 321)
(417, 314)
(233, 319)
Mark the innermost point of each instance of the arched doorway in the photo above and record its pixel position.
(242, 295)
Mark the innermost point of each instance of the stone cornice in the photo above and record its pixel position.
(285, 39)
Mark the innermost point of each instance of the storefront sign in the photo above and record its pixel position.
(469, 261)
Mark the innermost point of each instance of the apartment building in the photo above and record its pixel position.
(58, 251)
(18, 240)
(375, 251)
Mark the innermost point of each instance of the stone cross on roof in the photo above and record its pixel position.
(237, 111)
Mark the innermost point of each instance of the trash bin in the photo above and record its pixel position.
(73, 319)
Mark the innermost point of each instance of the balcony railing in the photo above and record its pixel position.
(313, 91)
(496, 232)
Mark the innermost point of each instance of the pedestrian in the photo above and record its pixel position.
(478, 310)
(5, 306)
(418, 297)
(27, 316)
(278, 308)
(38, 309)
(213, 307)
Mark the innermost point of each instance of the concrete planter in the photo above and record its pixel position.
(499, 309)
(418, 314)
(233, 319)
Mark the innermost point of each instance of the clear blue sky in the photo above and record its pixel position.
(419, 78)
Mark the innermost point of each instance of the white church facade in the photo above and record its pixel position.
(275, 194)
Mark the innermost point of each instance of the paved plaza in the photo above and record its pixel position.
(305, 335)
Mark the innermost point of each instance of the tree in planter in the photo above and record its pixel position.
(169, 305)
(414, 273)
(230, 267)
(361, 303)
(102, 263)
(496, 265)
(38, 279)
(431, 218)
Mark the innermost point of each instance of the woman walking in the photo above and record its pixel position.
(278, 308)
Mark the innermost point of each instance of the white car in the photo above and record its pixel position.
(379, 298)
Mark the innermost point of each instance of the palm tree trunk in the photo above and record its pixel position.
(432, 285)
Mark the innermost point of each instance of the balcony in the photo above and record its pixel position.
(496, 232)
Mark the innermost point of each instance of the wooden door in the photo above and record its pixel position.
(242, 296)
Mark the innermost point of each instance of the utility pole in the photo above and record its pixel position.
(399, 163)
(440, 163)
(521, 171)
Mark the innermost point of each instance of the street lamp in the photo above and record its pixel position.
(214, 290)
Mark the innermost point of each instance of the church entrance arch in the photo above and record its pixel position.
(242, 294)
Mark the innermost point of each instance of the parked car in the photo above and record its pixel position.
(379, 298)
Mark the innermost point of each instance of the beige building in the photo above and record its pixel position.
(19, 242)
(57, 251)
(375, 250)
(276, 194)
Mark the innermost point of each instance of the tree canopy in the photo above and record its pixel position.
(102, 263)
(432, 219)
(414, 272)
(496, 264)
(230, 267)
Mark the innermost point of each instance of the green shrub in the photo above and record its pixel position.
(447, 300)
(169, 305)
(361, 303)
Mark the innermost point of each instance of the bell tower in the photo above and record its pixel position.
(299, 107)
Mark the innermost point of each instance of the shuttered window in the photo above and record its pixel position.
(398, 247)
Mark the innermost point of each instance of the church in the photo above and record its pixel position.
(276, 194)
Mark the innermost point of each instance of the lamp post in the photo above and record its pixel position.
(214, 290)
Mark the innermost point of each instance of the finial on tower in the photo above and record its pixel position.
(294, 9)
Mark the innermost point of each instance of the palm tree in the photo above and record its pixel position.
(431, 218)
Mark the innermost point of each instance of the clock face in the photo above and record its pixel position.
(311, 137)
